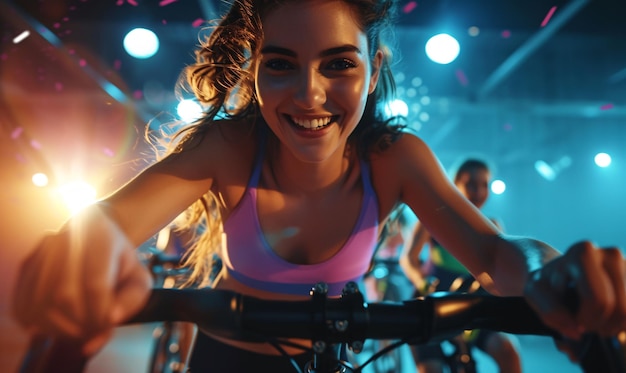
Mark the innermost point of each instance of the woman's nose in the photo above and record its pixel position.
(310, 92)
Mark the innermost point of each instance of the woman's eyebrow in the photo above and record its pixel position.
(325, 53)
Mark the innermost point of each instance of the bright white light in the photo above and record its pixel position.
(397, 107)
(19, 38)
(40, 179)
(498, 186)
(602, 159)
(141, 43)
(77, 195)
(545, 170)
(442, 49)
(189, 110)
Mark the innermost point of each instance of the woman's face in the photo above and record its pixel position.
(474, 184)
(313, 76)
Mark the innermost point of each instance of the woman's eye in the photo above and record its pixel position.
(278, 65)
(341, 64)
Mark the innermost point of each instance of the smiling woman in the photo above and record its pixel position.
(288, 178)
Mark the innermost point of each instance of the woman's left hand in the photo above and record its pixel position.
(582, 291)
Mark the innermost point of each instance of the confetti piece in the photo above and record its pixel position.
(35, 144)
(166, 2)
(506, 34)
(138, 94)
(409, 7)
(82, 62)
(132, 2)
(58, 86)
(197, 22)
(16, 133)
(19, 38)
(548, 16)
(460, 75)
(606, 107)
(108, 152)
(117, 64)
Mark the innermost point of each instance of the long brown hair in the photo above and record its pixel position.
(222, 80)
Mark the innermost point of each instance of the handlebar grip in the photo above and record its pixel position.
(463, 311)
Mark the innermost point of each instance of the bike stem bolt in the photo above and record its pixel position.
(319, 346)
(320, 288)
(350, 288)
(356, 346)
(341, 325)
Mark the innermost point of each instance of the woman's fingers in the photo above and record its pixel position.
(604, 311)
(582, 291)
(133, 288)
(551, 304)
(77, 279)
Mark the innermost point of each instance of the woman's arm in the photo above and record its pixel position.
(85, 278)
(507, 265)
(501, 263)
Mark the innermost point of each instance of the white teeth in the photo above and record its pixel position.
(311, 123)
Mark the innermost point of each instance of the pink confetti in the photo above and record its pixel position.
(132, 2)
(117, 64)
(138, 94)
(58, 86)
(507, 127)
(409, 7)
(108, 152)
(16, 133)
(35, 144)
(506, 34)
(56, 25)
(197, 22)
(164, 22)
(462, 78)
(606, 107)
(119, 2)
(166, 2)
(82, 62)
(548, 16)
(4, 56)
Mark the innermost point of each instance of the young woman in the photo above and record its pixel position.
(472, 178)
(296, 163)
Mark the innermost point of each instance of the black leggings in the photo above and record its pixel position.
(212, 356)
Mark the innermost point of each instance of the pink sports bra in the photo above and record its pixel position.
(249, 258)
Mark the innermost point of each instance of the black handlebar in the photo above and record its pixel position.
(341, 320)
(351, 320)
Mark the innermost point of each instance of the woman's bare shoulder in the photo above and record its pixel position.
(393, 167)
(222, 145)
(408, 153)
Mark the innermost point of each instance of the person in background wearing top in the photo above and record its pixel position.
(442, 271)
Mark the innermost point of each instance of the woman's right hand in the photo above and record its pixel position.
(81, 281)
